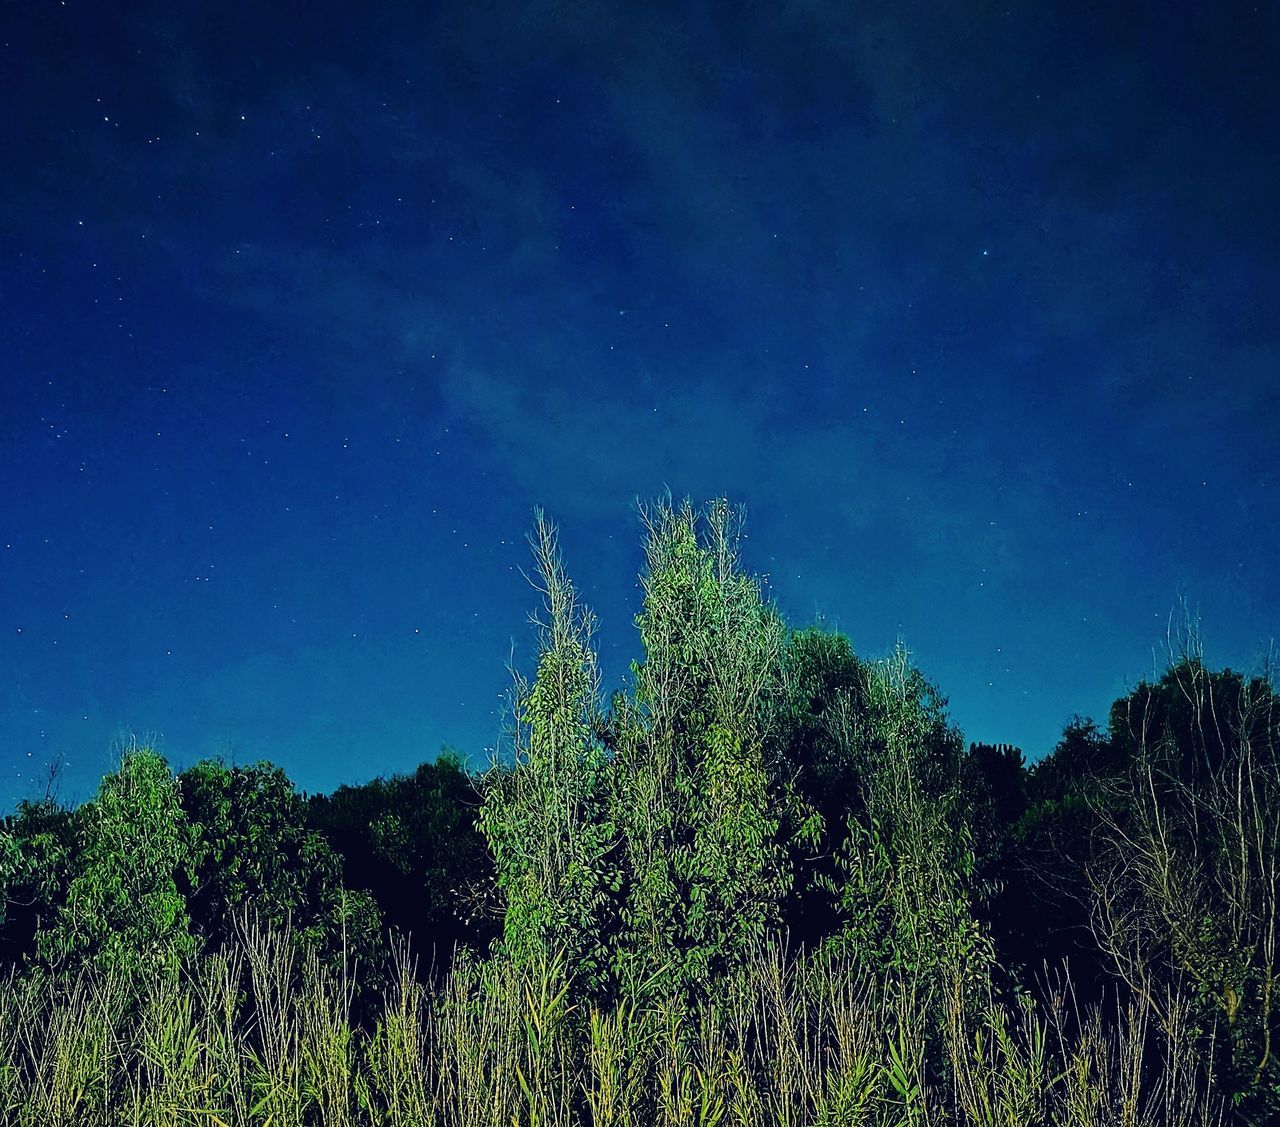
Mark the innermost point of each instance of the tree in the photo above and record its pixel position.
(545, 816)
(994, 785)
(37, 847)
(1186, 884)
(413, 841)
(1054, 843)
(820, 676)
(256, 852)
(124, 910)
(693, 799)
(908, 897)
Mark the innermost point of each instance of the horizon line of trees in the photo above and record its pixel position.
(752, 781)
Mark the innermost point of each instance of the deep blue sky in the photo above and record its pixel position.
(303, 307)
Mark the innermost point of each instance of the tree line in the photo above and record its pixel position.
(755, 792)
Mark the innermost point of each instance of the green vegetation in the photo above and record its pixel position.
(764, 884)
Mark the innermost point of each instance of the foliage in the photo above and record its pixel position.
(908, 894)
(255, 851)
(698, 812)
(1054, 847)
(822, 680)
(413, 842)
(1187, 884)
(247, 1036)
(766, 885)
(995, 786)
(37, 848)
(544, 818)
(123, 908)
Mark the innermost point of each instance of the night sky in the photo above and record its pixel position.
(304, 307)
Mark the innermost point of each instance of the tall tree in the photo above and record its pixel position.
(544, 816)
(700, 820)
(822, 681)
(1054, 842)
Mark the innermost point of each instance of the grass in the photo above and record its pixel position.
(261, 1034)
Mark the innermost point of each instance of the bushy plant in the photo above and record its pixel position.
(37, 854)
(255, 851)
(124, 909)
(1186, 881)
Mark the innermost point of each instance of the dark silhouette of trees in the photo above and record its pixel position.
(412, 842)
(256, 851)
